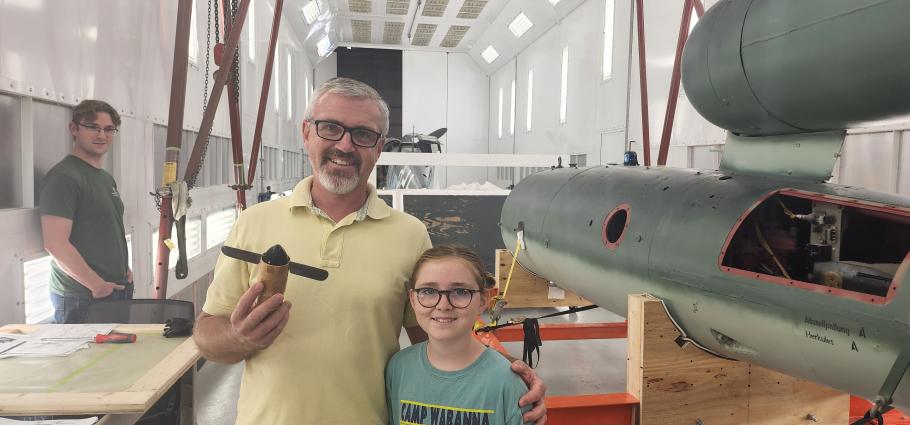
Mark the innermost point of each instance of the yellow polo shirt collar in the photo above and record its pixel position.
(373, 207)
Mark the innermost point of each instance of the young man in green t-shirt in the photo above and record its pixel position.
(82, 219)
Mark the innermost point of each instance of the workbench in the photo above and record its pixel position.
(119, 381)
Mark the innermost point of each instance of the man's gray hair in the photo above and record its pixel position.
(351, 88)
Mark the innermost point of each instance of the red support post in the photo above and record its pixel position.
(674, 84)
(566, 331)
(643, 81)
(582, 409)
(699, 8)
(264, 94)
(234, 117)
(174, 130)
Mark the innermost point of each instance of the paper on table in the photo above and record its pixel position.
(71, 331)
(46, 348)
(8, 341)
(56, 340)
(86, 421)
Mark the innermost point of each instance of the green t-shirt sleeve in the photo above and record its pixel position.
(513, 391)
(59, 196)
(392, 378)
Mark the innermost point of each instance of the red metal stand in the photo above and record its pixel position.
(586, 409)
(859, 407)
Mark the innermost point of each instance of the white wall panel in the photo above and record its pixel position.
(596, 108)
(466, 115)
(326, 69)
(867, 161)
(10, 196)
(612, 94)
(424, 91)
(662, 23)
(502, 80)
(447, 90)
(580, 135)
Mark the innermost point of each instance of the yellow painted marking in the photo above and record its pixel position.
(457, 409)
(170, 173)
(71, 376)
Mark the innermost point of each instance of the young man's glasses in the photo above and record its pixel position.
(110, 131)
(458, 297)
(333, 131)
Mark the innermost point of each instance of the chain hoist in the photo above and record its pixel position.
(235, 66)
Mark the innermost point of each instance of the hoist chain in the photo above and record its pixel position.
(191, 179)
(235, 67)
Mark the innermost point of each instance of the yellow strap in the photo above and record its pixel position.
(518, 247)
(512, 267)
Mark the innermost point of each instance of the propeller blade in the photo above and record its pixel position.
(307, 271)
(239, 254)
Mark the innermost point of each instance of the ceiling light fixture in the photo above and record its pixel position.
(520, 25)
(311, 12)
(490, 54)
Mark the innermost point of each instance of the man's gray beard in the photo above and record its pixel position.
(339, 185)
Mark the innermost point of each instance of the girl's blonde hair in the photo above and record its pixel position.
(484, 280)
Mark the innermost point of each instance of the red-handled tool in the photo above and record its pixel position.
(115, 338)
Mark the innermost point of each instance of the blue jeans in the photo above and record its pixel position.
(73, 309)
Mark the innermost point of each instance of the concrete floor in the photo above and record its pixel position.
(567, 367)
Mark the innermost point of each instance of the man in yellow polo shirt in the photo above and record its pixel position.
(323, 364)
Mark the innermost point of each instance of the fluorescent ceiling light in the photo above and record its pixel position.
(520, 25)
(323, 46)
(311, 12)
(553, 2)
(490, 54)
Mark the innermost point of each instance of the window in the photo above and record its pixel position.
(607, 71)
(499, 127)
(251, 31)
(218, 225)
(129, 251)
(530, 96)
(193, 242)
(194, 37)
(306, 90)
(821, 243)
(290, 103)
(553, 2)
(277, 84)
(35, 276)
(564, 85)
(490, 54)
(512, 112)
(520, 25)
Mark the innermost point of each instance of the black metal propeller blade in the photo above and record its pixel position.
(295, 268)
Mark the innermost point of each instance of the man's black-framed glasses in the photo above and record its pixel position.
(110, 131)
(332, 131)
(458, 297)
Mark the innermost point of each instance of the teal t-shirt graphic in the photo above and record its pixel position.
(484, 393)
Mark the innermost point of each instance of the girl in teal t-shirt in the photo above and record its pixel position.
(452, 378)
